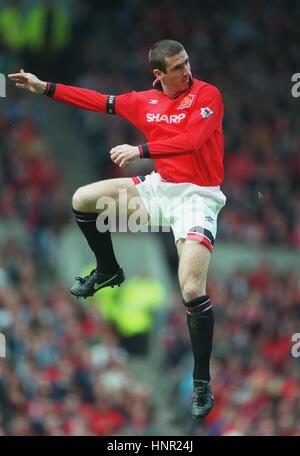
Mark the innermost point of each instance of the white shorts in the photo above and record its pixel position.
(190, 210)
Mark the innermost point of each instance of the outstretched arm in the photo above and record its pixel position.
(82, 98)
(75, 96)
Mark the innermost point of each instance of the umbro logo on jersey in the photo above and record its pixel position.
(153, 101)
(206, 112)
(173, 118)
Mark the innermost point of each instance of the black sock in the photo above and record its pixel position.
(100, 243)
(200, 320)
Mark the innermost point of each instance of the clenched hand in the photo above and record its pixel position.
(124, 154)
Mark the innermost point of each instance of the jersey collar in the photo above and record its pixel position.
(157, 85)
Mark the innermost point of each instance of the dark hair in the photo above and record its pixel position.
(162, 49)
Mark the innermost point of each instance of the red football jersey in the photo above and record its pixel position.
(184, 134)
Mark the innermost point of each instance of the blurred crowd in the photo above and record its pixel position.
(255, 377)
(66, 372)
(31, 184)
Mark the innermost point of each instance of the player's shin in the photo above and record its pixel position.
(200, 320)
(99, 242)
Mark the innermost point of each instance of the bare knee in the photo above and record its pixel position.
(192, 288)
(80, 200)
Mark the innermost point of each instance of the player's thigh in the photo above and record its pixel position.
(194, 260)
(111, 193)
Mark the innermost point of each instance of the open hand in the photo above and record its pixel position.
(28, 81)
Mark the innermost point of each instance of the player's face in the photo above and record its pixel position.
(178, 72)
